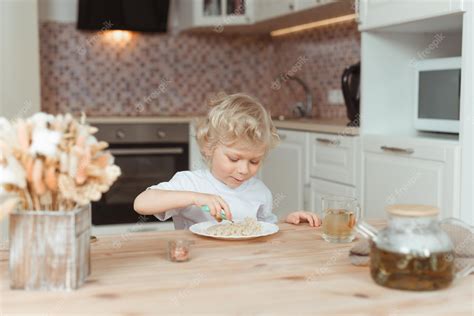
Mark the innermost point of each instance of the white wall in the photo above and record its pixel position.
(19, 65)
(19, 58)
(467, 113)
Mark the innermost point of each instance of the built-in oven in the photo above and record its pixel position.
(147, 154)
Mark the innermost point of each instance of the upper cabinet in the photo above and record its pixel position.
(401, 170)
(396, 36)
(214, 13)
(379, 13)
(267, 9)
(308, 4)
(253, 16)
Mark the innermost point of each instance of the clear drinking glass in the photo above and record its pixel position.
(339, 216)
(179, 250)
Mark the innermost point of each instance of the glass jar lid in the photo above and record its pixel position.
(412, 210)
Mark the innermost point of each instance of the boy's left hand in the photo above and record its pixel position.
(302, 216)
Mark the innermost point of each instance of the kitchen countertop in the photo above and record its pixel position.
(332, 126)
(292, 272)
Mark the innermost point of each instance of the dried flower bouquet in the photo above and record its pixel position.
(53, 163)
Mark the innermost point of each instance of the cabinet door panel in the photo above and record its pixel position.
(378, 13)
(401, 180)
(195, 158)
(283, 172)
(320, 188)
(332, 157)
(267, 9)
(307, 4)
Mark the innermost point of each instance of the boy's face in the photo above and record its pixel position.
(234, 164)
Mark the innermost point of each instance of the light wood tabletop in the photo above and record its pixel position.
(292, 272)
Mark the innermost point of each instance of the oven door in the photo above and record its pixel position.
(142, 166)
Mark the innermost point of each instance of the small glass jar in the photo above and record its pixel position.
(179, 250)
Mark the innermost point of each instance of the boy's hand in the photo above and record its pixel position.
(215, 204)
(302, 216)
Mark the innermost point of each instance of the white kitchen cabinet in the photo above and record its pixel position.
(284, 172)
(320, 188)
(333, 161)
(410, 31)
(267, 9)
(308, 4)
(380, 13)
(307, 166)
(333, 157)
(214, 13)
(196, 161)
(410, 171)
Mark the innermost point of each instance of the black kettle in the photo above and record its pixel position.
(350, 82)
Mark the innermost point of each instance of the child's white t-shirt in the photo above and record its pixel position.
(251, 199)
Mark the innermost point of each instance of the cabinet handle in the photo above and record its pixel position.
(408, 151)
(328, 141)
(282, 136)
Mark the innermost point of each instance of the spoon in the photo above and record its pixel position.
(206, 208)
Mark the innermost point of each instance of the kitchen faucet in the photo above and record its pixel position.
(302, 109)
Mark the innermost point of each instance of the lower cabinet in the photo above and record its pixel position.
(195, 158)
(307, 166)
(284, 171)
(394, 170)
(320, 188)
(400, 171)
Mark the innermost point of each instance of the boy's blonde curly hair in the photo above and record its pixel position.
(232, 118)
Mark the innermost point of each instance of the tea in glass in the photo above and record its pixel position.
(339, 218)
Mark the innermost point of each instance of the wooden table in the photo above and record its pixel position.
(293, 272)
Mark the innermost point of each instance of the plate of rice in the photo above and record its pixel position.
(239, 230)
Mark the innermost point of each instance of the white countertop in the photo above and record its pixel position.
(321, 125)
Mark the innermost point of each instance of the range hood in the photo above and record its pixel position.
(131, 15)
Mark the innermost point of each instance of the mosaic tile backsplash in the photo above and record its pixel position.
(176, 74)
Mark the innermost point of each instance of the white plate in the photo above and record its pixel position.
(200, 229)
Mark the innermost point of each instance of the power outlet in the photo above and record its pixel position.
(335, 97)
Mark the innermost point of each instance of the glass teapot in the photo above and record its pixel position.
(413, 252)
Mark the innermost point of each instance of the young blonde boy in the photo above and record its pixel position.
(233, 140)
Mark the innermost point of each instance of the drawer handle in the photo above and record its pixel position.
(408, 151)
(328, 141)
(282, 136)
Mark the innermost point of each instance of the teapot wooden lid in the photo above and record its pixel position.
(414, 210)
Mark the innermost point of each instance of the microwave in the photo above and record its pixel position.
(437, 94)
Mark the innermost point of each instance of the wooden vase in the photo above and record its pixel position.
(50, 250)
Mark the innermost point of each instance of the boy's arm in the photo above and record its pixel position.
(156, 201)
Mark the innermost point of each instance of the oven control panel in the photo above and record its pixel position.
(143, 133)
